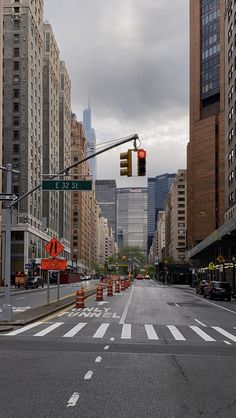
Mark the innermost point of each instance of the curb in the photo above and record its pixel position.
(4, 328)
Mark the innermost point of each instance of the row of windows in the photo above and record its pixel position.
(211, 74)
(213, 27)
(210, 51)
(206, 42)
(212, 85)
(211, 62)
(207, 5)
(210, 16)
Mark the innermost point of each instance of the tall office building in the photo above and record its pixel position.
(175, 215)
(64, 150)
(51, 82)
(22, 121)
(90, 136)
(132, 217)
(158, 188)
(205, 153)
(230, 111)
(106, 198)
(1, 61)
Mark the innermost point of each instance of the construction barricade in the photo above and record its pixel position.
(80, 299)
(99, 294)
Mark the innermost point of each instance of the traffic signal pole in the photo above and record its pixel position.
(67, 169)
(7, 312)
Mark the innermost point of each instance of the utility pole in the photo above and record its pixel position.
(7, 308)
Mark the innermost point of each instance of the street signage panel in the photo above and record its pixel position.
(7, 196)
(53, 247)
(53, 264)
(71, 185)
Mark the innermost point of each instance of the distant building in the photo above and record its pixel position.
(161, 235)
(175, 219)
(64, 149)
(105, 191)
(205, 152)
(158, 188)
(51, 85)
(132, 217)
(90, 136)
(1, 61)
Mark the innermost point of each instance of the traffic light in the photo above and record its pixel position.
(126, 163)
(141, 162)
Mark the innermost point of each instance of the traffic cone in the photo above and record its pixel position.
(99, 294)
(110, 289)
(122, 285)
(80, 299)
(126, 284)
(117, 287)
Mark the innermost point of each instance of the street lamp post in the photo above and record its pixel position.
(33, 254)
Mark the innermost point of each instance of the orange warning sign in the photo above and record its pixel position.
(54, 247)
(53, 264)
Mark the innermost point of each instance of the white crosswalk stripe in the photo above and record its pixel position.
(151, 333)
(201, 333)
(48, 329)
(127, 332)
(176, 334)
(101, 331)
(75, 329)
(26, 328)
(225, 333)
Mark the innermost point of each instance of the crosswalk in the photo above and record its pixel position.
(128, 332)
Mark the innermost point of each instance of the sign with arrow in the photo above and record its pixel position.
(54, 247)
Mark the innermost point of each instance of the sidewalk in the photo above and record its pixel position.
(34, 314)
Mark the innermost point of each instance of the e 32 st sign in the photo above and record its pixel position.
(67, 185)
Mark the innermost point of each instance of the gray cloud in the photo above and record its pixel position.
(132, 58)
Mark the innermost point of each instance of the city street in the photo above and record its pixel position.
(152, 350)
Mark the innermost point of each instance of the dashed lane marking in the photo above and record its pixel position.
(48, 329)
(151, 333)
(201, 333)
(175, 332)
(75, 330)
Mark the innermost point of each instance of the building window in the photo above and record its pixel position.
(16, 52)
(16, 107)
(16, 25)
(15, 148)
(16, 38)
(16, 65)
(16, 93)
(16, 135)
(16, 120)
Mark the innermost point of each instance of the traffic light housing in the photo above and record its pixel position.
(141, 154)
(126, 163)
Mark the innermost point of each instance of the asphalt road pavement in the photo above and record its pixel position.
(151, 351)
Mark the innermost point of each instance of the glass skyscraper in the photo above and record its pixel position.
(132, 217)
(158, 188)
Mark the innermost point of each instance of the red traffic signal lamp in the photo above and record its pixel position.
(126, 163)
(141, 154)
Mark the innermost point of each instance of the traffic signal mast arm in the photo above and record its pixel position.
(67, 169)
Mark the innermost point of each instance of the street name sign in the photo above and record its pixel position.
(71, 185)
(54, 247)
(56, 264)
(7, 196)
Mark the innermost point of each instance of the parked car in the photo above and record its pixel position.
(200, 287)
(217, 290)
(139, 277)
(147, 277)
(34, 282)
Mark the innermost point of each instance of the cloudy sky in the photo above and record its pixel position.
(131, 57)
